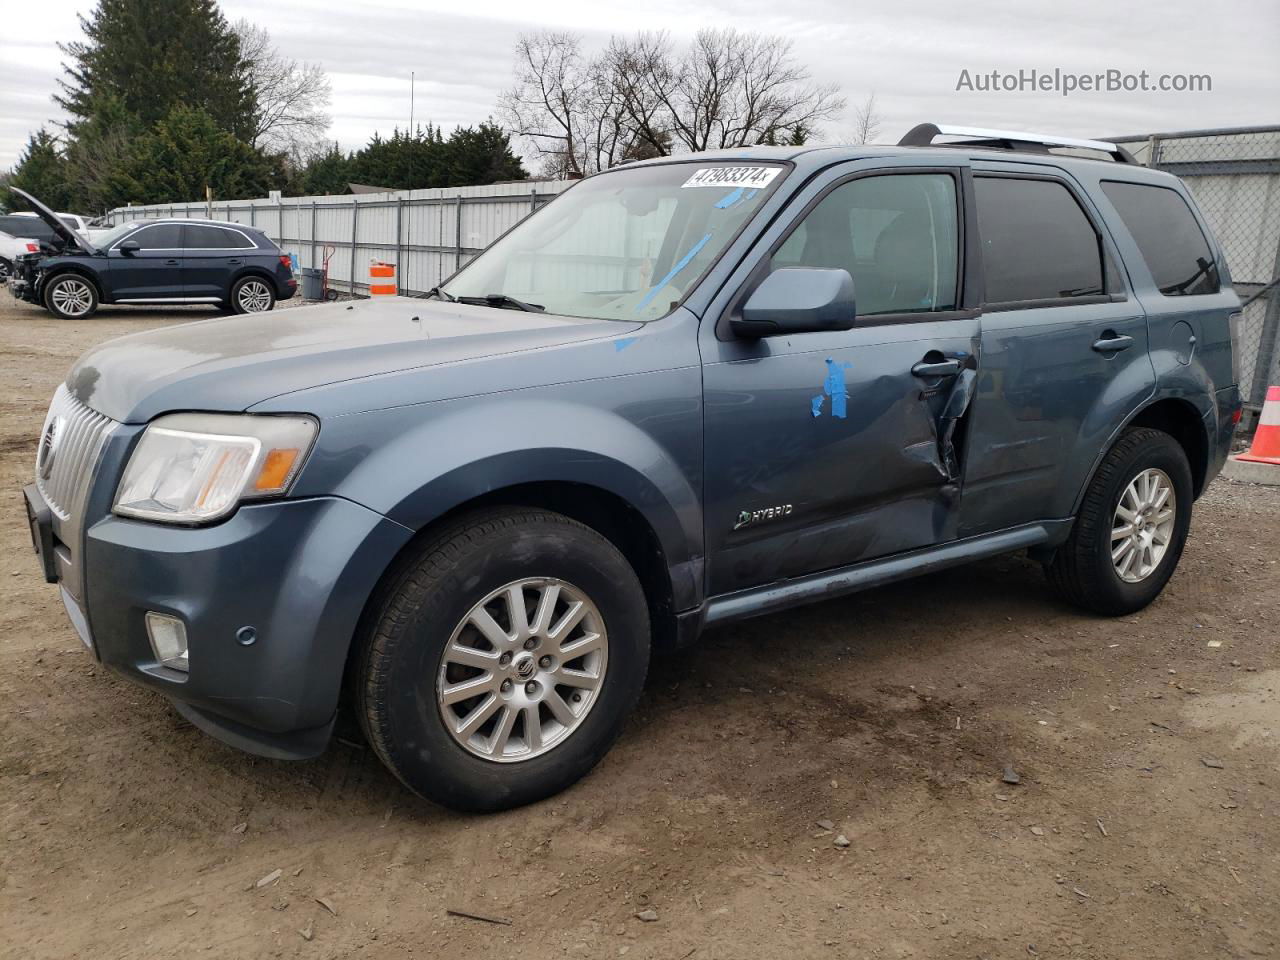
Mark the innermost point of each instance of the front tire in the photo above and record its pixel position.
(503, 659)
(252, 295)
(70, 296)
(1127, 539)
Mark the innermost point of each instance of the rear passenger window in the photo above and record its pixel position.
(1168, 237)
(895, 234)
(1037, 244)
(204, 237)
(163, 236)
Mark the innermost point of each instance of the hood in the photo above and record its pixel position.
(232, 363)
(56, 223)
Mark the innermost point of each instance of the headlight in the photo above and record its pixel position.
(195, 467)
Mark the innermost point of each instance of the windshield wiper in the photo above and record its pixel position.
(439, 294)
(501, 300)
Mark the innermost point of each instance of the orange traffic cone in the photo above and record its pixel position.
(1266, 441)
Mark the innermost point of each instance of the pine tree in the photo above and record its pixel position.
(150, 56)
(481, 155)
(186, 152)
(42, 172)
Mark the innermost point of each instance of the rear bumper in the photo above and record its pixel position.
(297, 572)
(1221, 424)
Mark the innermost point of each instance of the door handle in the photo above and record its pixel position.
(235, 261)
(173, 263)
(940, 368)
(1110, 342)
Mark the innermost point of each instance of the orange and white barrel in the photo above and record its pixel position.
(382, 279)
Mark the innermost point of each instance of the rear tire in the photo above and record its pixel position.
(422, 651)
(6, 271)
(252, 294)
(1115, 565)
(70, 296)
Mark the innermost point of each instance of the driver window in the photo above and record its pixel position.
(896, 235)
(163, 236)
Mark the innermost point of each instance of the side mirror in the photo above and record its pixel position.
(798, 300)
(129, 247)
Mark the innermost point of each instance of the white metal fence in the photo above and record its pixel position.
(428, 234)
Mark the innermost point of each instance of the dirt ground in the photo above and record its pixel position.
(1145, 824)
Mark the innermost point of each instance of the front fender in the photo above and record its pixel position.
(637, 437)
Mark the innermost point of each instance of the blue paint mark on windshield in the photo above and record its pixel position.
(684, 262)
(833, 386)
(729, 199)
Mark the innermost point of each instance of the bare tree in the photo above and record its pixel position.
(643, 97)
(292, 97)
(547, 105)
(866, 121)
(734, 89)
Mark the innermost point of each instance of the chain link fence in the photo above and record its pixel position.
(1234, 175)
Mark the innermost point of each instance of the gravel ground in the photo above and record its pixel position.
(1144, 824)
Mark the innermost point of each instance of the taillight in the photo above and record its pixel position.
(287, 261)
(33, 248)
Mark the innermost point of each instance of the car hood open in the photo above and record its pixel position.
(232, 363)
(56, 223)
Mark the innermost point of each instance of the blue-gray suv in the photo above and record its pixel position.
(687, 391)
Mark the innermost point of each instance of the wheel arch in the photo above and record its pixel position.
(79, 270)
(1174, 416)
(251, 270)
(602, 510)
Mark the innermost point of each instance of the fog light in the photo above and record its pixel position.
(168, 636)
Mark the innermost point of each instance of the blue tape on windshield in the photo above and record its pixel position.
(729, 199)
(684, 262)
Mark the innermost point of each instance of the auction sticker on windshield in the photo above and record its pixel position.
(750, 177)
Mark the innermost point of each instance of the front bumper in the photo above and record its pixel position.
(297, 571)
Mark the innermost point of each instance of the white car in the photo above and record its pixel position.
(10, 249)
(82, 225)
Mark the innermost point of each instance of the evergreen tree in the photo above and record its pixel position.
(481, 155)
(42, 172)
(186, 152)
(150, 56)
(325, 174)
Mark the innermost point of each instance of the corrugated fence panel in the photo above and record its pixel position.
(427, 246)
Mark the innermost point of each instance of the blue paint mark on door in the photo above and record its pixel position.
(833, 386)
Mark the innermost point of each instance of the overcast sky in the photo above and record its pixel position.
(910, 53)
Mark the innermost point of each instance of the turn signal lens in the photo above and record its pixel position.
(277, 467)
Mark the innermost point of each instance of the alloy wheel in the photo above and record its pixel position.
(522, 670)
(254, 297)
(1142, 526)
(72, 297)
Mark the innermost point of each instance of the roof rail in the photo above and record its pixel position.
(922, 136)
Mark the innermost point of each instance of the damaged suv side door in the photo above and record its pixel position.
(829, 448)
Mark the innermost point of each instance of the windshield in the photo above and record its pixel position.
(115, 233)
(624, 245)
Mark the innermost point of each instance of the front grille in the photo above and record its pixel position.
(70, 445)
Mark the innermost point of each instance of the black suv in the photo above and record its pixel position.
(171, 261)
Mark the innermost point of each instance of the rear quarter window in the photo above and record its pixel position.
(1168, 237)
(204, 237)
